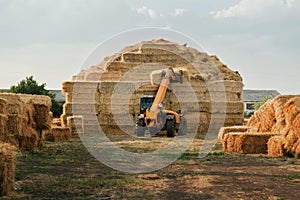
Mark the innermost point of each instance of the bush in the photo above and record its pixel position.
(262, 102)
(30, 86)
(248, 114)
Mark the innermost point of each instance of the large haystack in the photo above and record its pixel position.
(23, 119)
(91, 90)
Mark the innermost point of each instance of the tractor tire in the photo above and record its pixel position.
(140, 128)
(182, 127)
(153, 131)
(140, 131)
(170, 128)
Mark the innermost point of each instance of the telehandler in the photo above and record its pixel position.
(153, 117)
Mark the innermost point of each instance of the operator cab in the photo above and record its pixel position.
(145, 103)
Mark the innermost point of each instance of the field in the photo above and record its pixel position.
(68, 171)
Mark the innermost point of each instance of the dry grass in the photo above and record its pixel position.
(68, 171)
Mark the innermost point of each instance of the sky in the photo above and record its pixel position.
(50, 39)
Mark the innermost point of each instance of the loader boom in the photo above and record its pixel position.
(156, 118)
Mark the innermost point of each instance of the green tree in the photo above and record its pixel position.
(31, 86)
(261, 102)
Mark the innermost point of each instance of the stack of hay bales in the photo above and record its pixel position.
(271, 116)
(90, 92)
(57, 133)
(247, 143)
(75, 123)
(24, 119)
(231, 129)
(7, 168)
(276, 124)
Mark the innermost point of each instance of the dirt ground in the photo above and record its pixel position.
(68, 171)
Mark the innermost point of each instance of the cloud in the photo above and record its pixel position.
(151, 13)
(179, 12)
(144, 10)
(289, 3)
(252, 8)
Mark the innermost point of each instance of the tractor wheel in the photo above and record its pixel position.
(170, 128)
(153, 131)
(183, 126)
(140, 129)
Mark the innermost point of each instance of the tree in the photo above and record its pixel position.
(261, 102)
(31, 86)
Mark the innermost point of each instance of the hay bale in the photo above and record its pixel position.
(229, 142)
(225, 130)
(75, 123)
(3, 103)
(247, 143)
(271, 117)
(3, 125)
(56, 122)
(15, 124)
(276, 146)
(279, 103)
(253, 143)
(26, 117)
(263, 119)
(296, 148)
(292, 130)
(29, 140)
(58, 134)
(20, 134)
(7, 168)
(14, 103)
(41, 116)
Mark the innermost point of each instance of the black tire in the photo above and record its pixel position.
(140, 128)
(170, 128)
(140, 131)
(182, 127)
(153, 131)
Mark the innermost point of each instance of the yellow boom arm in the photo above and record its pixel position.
(160, 96)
